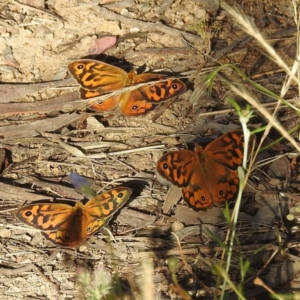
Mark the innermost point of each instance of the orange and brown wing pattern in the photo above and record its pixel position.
(46, 216)
(105, 205)
(69, 226)
(96, 75)
(97, 78)
(60, 223)
(162, 91)
(206, 176)
(177, 167)
(228, 149)
(100, 209)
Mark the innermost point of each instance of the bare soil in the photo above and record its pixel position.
(45, 137)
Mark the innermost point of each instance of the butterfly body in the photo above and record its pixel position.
(97, 78)
(69, 226)
(207, 176)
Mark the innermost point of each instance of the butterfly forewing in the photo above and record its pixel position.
(177, 167)
(162, 91)
(46, 216)
(159, 91)
(229, 149)
(94, 75)
(107, 204)
(99, 209)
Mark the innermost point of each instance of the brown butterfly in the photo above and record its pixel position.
(69, 226)
(207, 176)
(97, 78)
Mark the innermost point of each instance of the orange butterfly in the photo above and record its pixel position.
(208, 175)
(69, 226)
(97, 78)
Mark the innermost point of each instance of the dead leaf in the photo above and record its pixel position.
(173, 196)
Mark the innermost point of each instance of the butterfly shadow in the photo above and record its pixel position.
(111, 60)
(127, 66)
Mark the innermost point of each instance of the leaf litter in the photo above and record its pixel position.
(48, 141)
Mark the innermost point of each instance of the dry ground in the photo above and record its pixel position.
(44, 135)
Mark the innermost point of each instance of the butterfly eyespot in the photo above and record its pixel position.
(221, 192)
(88, 229)
(165, 166)
(79, 67)
(203, 198)
(174, 86)
(135, 107)
(120, 195)
(28, 213)
(66, 238)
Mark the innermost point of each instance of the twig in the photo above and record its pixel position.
(29, 267)
(148, 26)
(54, 285)
(40, 9)
(264, 266)
(102, 155)
(188, 268)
